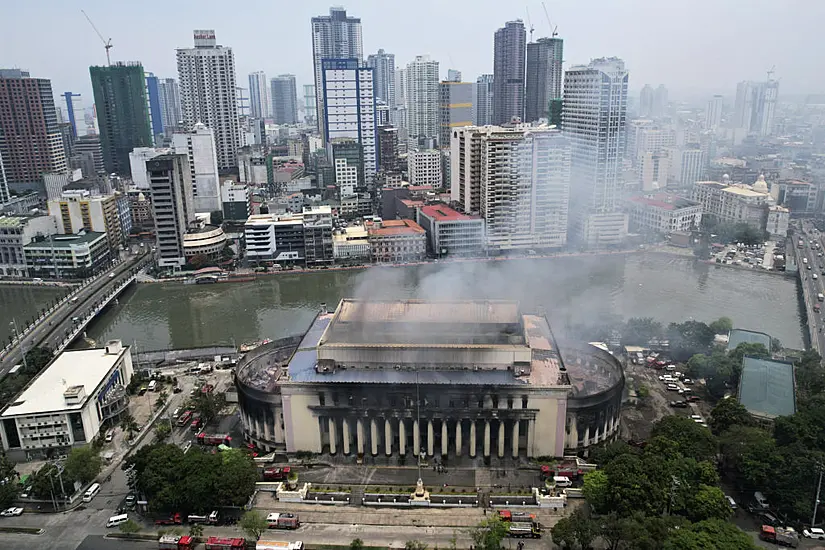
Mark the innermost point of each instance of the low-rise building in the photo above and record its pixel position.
(777, 221)
(300, 238)
(734, 202)
(318, 235)
(351, 243)
(451, 233)
(208, 241)
(140, 208)
(663, 213)
(15, 233)
(68, 403)
(767, 389)
(397, 241)
(356, 206)
(67, 256)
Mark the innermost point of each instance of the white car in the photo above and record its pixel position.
(695, 417)
(812, 533)
(9, 512)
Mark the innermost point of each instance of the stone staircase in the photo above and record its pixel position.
(357, 495)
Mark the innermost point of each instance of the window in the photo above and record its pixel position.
(495, 401)
(523, 401)
(322, 398)
(509, 402)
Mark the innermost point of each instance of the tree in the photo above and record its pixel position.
(198, 261)
(723, 325)
(585, 528)
(709, 534)
(689, 338)
(728, 413)
(254, 524)
(694, 441)
(9, 488)
(208, 405)
(488, 534)
(216, 217)
(596, 490)
(415, 545)
(163, 431)
(37, 358)
(357, 544)
(83, 464)
(564, 534)
(130, 527)
(633, 487)
(709, 503)
(237, 477)
(640, 331)
(196, 530)
(128, 424)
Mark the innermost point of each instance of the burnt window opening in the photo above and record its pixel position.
(509, 402)
(335, 398)
(523, 401)
(322, 399)
(495, 401)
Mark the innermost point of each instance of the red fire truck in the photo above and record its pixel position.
(225, 543)
(214, 439)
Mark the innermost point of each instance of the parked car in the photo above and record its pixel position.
(679, 404)
(672, 387)
(732, 502)
(9, 512)
(693, 398)
(812, 533)
(687, 381)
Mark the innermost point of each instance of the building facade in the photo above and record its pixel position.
(170, 111)
(594, 120)
(15, 233)
(755, 107)
(422, 93)
(663, 213)
(713, 114)
(208, 242)
(334, 36)
(199, 146)
(734, 203)
(543, 79)
(424, 167)
(30, 140)
(383, 65)
(508, 72)
(451, 233)
(284, 99)
(208, 94)
(351, 243)
(173, 209)
(397, 241)
(270, 237)
(260, 102)
(484, 100)
(77, 256)
(78, 210)
(455, 108)
(122, 113)
(69, 403)
(687, 166)
(235, 201)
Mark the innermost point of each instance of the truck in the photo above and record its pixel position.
(278, 545)
(570, 470)
(524, 529)
(196, 423)
(184, 418)
(277, 474)
(820, 297)
(515, 517)
(176, 542)
(174, 519)
(277, 520)
(783, 536)
(225, 543)
(213, 439)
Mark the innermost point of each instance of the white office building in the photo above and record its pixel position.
(137, 164)
(199, 146)
(208, 94)
(713, 115)
(687, 166)
(663, 213)
(173, 209)
(594, 121)
(383, 64)
(350, 108)
(346, 177)
(517, 179)
(424, 167)
(259, 100)
(755, 107)
(334, 36)
(422, 99)
(68, 402)
(15, 233)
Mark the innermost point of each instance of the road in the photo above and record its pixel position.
(812, 274)
(54, 326)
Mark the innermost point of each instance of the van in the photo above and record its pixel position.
(114, 521)
(153, 385)
(91, 492)
(37, 280)
(760, 500)
(562, 481)
(110, 435)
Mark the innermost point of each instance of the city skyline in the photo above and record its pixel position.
(656, 55)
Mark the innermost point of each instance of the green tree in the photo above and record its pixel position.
(596, 490)
(254, 524)
(586, 529)
(356, 544)
(196, 530)
(9, 486)
(163, 431)
(37, 358)
(237, 477)
(83, 464)
(723, 325)
(564, 533)
(709, 534)
(633, 487)
(488, 534)
(128, 424)
(728, 413)
(750, 453)
(694, 441)
(640, 331)
(415, 545)
(689, 338)
(216, 217)
(208, 405)
(698, 366)
(709, 503)
(130, 527)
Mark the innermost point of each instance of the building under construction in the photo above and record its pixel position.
(468, 379)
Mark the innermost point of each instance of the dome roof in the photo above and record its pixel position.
(760, 185)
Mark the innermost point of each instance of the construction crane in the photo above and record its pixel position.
(554, 32)
(529, 22)
(106, 43)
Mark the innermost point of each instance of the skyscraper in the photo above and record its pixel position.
(484, 100)
(284, 99)
(594, 120)
(659, 101)
(153, 93)
(122, 113)
(755, 106)
(309, 104)
(208, 94)
(508, 72)
(384, 66)
(261, 104)
(334, 36)
(543, 79)
(422, 98)
(169, 96)
(347, 90)
(30, 140)
(172, 205)
(75, 114)
(199, 147)
(646, 101)
(713, 115)
(453, 75)
(455, 108)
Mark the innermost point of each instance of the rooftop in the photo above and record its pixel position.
(11, 221)
(417, 311)
(86, 368)
(442, 213)
(397, 227)
(666, 201)
(740, 336)
(67, 241)
(766, 388)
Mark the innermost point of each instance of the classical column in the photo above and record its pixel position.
(374, 436)
(345, 433)
(430, 437)
(388, 436)
(486, 438)
(458, 424)
(501, 438)
(472, 438)
(445, 437)
(515, 438)
(587, 435)
(531, 427)
(416, 438)
(402, 437)
(333, 436)
(359, 434)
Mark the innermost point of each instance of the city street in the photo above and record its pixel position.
(815, 267)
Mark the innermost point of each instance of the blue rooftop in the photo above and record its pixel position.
(740, 336)
(766, 388)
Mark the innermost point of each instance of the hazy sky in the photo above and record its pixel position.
(690, 46)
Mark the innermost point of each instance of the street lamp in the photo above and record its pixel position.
(13, 325)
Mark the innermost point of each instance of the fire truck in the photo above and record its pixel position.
(276, 474)
(213, 439)
(225, 543)
(176, 542)
(283, 521)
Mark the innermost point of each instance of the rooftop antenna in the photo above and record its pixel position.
(554, 32)
(771, 71)
(107, 44)
(529, 22)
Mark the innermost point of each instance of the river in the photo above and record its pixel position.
(570, 290)
(23, 303)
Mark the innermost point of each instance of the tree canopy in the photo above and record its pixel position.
(83, 464)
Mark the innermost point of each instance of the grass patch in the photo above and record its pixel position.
(24, 530)
(133, 536)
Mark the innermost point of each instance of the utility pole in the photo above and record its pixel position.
(816, 500)
(22, 343)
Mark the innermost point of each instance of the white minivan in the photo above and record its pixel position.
(153, 385)
(114, 521)
(91, 492)
(562, 481)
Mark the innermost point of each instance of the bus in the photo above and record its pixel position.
(91, 492)
(15, 369)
